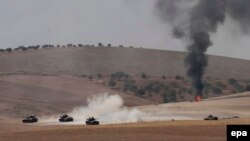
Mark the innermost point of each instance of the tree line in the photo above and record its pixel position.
(35, 47)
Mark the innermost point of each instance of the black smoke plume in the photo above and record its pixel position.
(194, 21)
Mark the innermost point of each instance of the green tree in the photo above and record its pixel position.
(99, 76)
(90, 77)
(232, 81)
(100, 44)
(191, 91)
(217, 90)
(165, 98)
(248, 87)
(178, 77)
(169, 96)
(141, 92)
(221, 85)
(172, 95)
(112, 83)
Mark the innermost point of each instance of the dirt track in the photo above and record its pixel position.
(168, 130)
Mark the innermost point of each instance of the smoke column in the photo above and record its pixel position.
(194, 21)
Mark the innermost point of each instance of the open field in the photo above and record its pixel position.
(193, 129)
(21, 95)
(45, 83)
(104, 60)
(144, 131)
(224, 107)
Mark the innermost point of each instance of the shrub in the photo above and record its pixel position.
(84, 75)
(80, 45)
(141, 92)
(165, 97)
(8, 50)
(206, 91)
(191, 91)
(221, 85)
(126, 87)
(237, 86)
(182, 90)
(165, 88)
(232, 81)
(90, 77)
(248, 87)
(178, 77)
(112, 83)
(174, 85)
(100, 44)
(119, 75)
(143, 76)
(154, 87)
(169, 96)
(129, 85)
(149, 88)
(172, 95)
(70, 45)
(240, 88)
(207, 85)
(217, 90)
(133, 88)
(99, 76)
(233, 92)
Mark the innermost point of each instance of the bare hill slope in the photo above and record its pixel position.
(231, 106)
(45, 95)
(93, 60)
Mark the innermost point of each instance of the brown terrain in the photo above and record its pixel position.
(50, 82)
(107, 60)
(190, 130)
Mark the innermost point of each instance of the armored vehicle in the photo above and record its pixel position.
(65, 118)
(92, 121)
(30, 119)
(211, 117)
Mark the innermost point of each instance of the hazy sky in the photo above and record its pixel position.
(126, 22)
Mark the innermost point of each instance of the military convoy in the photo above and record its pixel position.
(63, 118)
(89, 121)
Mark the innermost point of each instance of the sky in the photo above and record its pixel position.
(126, 22)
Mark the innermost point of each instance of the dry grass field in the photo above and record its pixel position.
(194, 129)
(94, 60)
(46, 82)
(143, 131)
(21, 95)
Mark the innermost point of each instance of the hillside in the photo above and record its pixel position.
(56, 80)
(107, 60)
(50, 94)
(225, 107)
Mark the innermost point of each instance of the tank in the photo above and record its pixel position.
(92, 121)
(211, 117)
(65, 118)
(30, 119)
